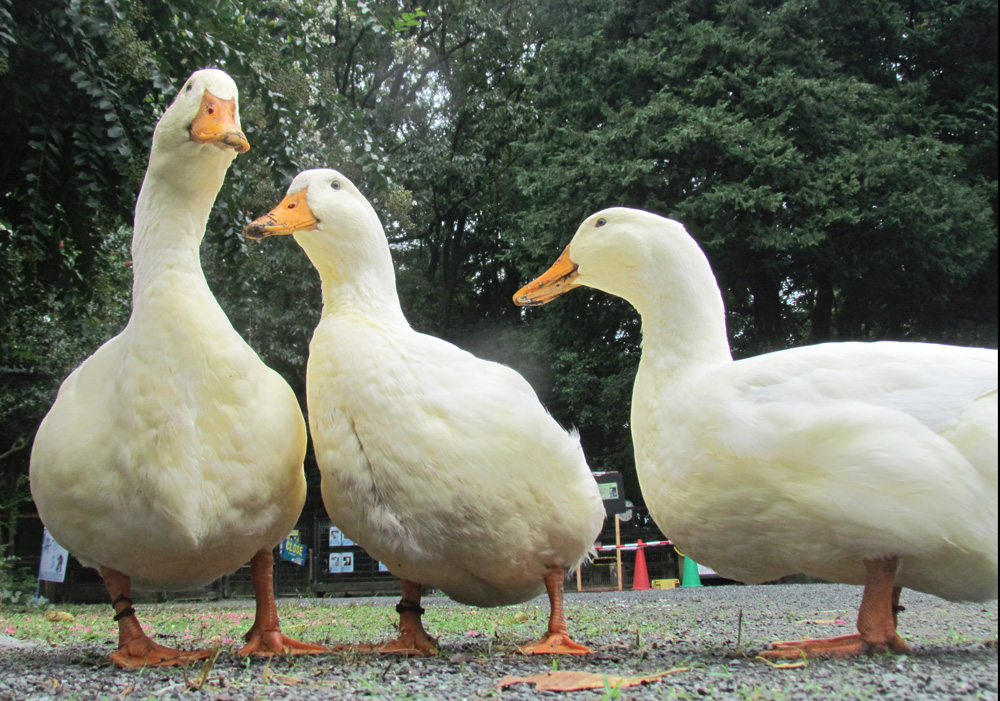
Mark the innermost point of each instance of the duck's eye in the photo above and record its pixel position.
(189, 88)
(601, 222)
(335, 184)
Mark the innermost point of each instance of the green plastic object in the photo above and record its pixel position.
(690, 578)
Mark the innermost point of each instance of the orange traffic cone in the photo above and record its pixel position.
(640, 579)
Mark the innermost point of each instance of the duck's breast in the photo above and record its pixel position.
(171, 453)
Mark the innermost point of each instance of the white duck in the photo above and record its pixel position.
(173, 455)
(864, 463)
(444, 467)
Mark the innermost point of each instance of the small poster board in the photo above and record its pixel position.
(612, 492)
(346, 562)
(338, 539)
(341, 562)
(54, 559)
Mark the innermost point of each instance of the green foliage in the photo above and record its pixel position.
(408, 20)
(17, 584)
(811, 170)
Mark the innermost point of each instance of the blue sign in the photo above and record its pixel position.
(293, 551)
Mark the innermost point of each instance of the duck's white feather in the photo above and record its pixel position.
(172, 454)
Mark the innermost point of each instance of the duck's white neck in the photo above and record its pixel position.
(170, 219)
(355, 270)
(683, 318)
(683, 331)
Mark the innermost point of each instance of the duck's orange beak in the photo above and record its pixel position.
(292, 214)
(216, 124)
(555, 281)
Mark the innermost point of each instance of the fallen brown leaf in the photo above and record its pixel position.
(838, 621)
(287, 679)
(782, 665)
(576, 681)
(59, 617)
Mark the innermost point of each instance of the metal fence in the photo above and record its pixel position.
(334, 566)
(340, 567)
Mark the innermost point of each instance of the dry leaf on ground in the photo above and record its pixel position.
(782, 665)
(59, 617)
(837, 621)
(576, 681)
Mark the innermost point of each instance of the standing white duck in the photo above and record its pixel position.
(444, 467)
(173, 455)
(864, 463)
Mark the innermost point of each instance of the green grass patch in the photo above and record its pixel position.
(311, 620)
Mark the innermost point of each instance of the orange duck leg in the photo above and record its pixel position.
(876, 622)
(413, 640)
(265, 636)
(556, 640)
(135, 648)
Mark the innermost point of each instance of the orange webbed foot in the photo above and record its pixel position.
(274, 642)
(555, 644)
(143, 652)
(556, 640)
(265, 636)
(413, 640)
(410, 645)
(838, 647)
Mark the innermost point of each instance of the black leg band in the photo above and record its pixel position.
(124, 613)
(120, 598)
(406, 605)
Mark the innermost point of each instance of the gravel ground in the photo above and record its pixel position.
(631, 633)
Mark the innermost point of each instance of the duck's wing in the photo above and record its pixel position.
(932, 383)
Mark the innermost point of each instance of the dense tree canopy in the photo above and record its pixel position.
(836, 160)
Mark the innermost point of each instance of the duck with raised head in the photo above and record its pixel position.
(443, 466)
(862, 463)
(173, 455)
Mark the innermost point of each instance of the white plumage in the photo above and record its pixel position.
(823, 456)
(173, 455)
(443, 466)
(813, 459)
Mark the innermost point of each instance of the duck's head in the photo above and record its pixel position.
(335, 225)
(630, 253)
(202, 123)
(320, 200)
